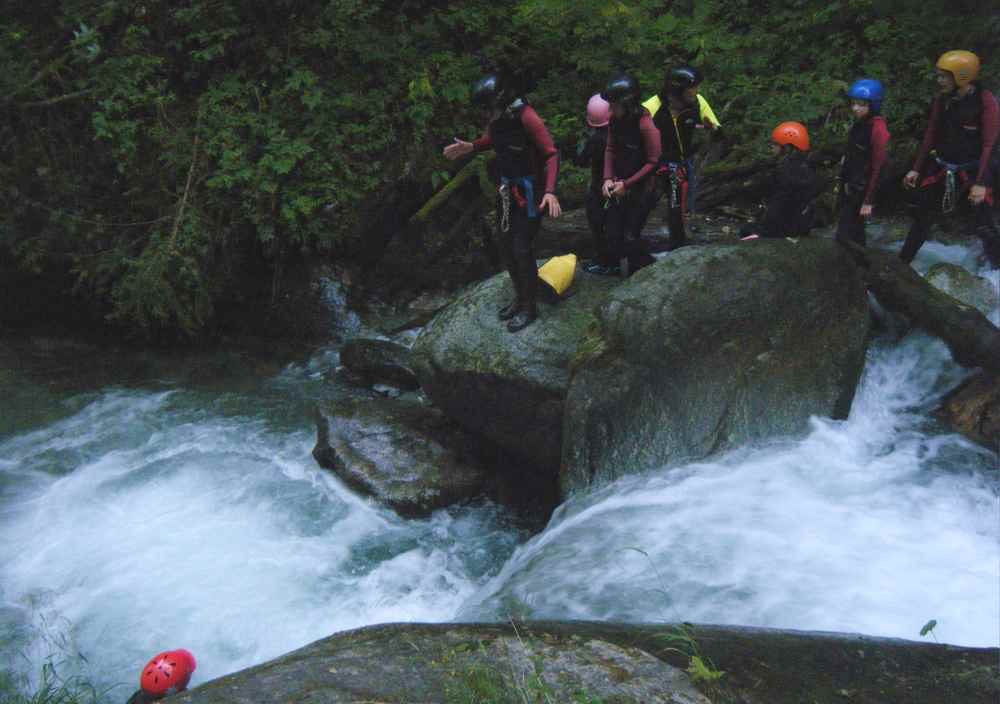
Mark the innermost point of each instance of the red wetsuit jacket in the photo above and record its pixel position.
(540, 157)
(962, 129)
(865, 155)
(633, 150)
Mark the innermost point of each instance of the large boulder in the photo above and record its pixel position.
(587, 662)
(704, 350)
(508, 387)
(712, 348)
(407, 456)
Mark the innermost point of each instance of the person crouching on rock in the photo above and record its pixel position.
(591, 153)
(527, 163)
(629, 176)
(788, 210)
(167, 673)
(957, 160)
(863, 160)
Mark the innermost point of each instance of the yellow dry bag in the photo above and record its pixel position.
(557, 273)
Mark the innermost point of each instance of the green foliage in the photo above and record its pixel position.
(51, 689)
(153, 149)
(701, 668)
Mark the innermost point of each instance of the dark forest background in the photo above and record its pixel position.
(162, 163)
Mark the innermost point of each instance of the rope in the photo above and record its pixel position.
(948, 201)
(505, 207)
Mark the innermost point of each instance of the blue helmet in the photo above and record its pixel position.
(867, 89)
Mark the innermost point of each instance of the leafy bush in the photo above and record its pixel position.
(158, 151)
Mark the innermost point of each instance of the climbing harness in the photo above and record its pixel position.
(677, 176)
(505, 207)
(525, 198)
(950, 198)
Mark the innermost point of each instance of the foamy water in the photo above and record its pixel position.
(136, 520)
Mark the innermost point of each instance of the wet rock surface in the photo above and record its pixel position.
(964, 286)
(406, 455)
(507, 387)
(584, 661)
(973, 409)
(713, 348)
(706, 349)
(379, 362)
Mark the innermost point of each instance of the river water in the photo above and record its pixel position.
(146, 506)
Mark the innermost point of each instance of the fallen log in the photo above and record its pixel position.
(973, 340)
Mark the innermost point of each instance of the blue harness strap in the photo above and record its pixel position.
(527, 186)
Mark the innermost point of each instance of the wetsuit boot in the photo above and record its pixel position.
(509, 310)
(527, 311)
(507, 256)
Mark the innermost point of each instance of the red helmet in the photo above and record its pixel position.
(794, 133)
(167, 672)
(598, 111)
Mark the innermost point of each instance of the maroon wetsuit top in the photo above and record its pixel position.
(542, 152)
(961, 130)
(879, 145)
(633, 150)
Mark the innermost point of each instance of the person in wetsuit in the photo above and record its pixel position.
(630, 159)
(683, 112)
(788, 210)
(527, 164)
(863, 160)
(591, 153)
(684, 83)
(957, 159)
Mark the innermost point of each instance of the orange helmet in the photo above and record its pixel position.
(963, 65)
(794, 133)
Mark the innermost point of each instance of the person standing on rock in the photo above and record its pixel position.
(591, 153)
(863, 160)
(788, 211)
(687, 111)
(527, 165)
(630, 159)
(957, 161)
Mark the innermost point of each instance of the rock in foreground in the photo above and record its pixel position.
(586, 662)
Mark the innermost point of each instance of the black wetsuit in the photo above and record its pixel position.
(527, 165)
(631, 156)
(592, 155)
(789, 211)
(676, 136)
(863, 160)
(961, 137)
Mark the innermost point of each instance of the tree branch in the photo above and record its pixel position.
(187, 186)
(973, 340)
(58, 99)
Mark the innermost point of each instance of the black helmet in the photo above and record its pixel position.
(621, 88)
(488, 92)
(683, 77)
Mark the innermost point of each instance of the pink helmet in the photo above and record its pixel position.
(598, 111)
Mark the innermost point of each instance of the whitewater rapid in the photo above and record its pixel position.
(145, 517)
